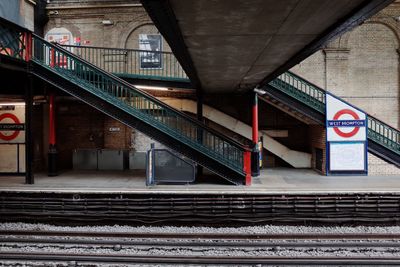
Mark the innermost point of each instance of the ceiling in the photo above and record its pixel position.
(235, 45)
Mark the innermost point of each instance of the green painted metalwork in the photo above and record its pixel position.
(138, 103)
(12, 41)
(314, 97)
(131, 63)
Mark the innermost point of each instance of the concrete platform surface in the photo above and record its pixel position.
(271, 181)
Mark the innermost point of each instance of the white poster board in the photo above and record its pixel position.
(347, 156)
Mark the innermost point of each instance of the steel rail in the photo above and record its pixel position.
(230, 236)
(93, 258)
(206, 243)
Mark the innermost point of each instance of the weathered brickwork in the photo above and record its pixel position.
(116, 134)
(362, 67)
(316, 139)
(84, 19)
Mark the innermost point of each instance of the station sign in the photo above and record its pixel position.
(346, 136)
(344, 122)
(12, 139)
(12, 125)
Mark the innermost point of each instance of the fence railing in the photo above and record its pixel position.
(140, 104)
(14, 41)
(131, 63)
(314, 97)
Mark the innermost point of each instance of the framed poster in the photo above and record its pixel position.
(148, 59)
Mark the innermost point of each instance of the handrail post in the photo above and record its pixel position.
(28, 46)
(247, 167)
(52, 57)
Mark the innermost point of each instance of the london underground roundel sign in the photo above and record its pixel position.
(8, 126)
(344, 122)
(354, 130)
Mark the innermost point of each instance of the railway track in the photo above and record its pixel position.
(198, 248)
(219, 260)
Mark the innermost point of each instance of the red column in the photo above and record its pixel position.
(52, 127)
(255, 154)
(52, 153)
(28, 46)
(247, 167)
(255, 120)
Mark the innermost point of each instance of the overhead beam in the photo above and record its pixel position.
(160, 11)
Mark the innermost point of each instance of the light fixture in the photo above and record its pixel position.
(259, 91)
(12, 104)
(152, 88)
(107, 22)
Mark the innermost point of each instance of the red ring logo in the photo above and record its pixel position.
(16, 121)
(337, 116)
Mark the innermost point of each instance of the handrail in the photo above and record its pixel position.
(314, 97)
(144, 93)
(142, 64)
(15, 41)
(127, 97)
(114, 48)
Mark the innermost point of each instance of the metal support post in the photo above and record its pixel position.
(255, 153)
(52, 153)
(29, 177)
(199, 95)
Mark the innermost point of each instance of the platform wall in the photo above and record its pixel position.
(362, 67)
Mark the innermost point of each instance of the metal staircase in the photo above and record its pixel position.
(309, 99)
(135, 66)
(122, 101)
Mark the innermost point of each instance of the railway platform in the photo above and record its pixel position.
(278, 195)
(271, 181)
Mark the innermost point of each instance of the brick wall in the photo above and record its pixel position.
(116, 134)
(377, 166)
(78, 126)
(317, 140)
(362, 67)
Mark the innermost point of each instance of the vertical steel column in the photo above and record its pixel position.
(29, 178)
(52, 153)
(199, 113)
(255, 153)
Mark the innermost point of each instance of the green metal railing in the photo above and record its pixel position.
(138, 103)
(133, 63)
(13, 41)
(314, 97)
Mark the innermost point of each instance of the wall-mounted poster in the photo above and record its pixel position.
(150, 42)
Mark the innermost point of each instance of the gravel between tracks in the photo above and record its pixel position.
(204, 251)
(265, 229)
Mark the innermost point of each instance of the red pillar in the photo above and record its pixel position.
(52, 127)
(52, 153)
(255, 120)
(255, 154)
